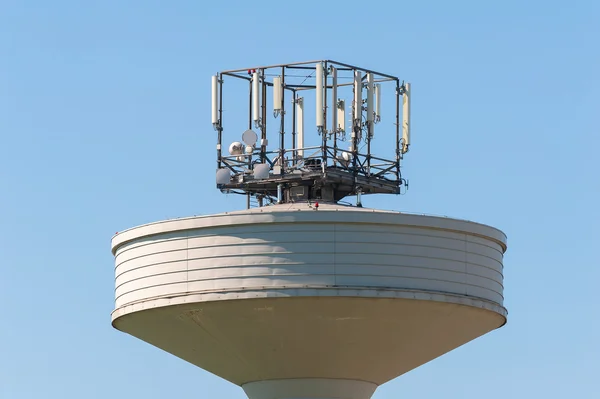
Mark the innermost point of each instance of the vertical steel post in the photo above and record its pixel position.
(295, 99)
(324, 133)
(250, 106)
(282, 128)
(334, 121)
(398, 130)
(263, 127)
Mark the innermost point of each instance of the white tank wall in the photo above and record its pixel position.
(299, 250)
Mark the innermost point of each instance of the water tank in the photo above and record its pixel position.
(293, 301)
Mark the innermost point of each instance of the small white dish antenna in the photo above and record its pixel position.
(249, 137)
(344, 158)
(236, 148)
(261, 170)
(223, 176)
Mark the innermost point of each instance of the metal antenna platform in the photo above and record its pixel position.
(326, 162)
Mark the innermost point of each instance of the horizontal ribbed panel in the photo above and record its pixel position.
(285, 249)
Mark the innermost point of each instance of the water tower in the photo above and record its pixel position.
(302, 295)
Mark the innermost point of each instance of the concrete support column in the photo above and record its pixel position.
(309, 388)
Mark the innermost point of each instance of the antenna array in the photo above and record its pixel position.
(326, 170)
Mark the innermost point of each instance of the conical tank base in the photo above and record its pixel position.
(310, 388)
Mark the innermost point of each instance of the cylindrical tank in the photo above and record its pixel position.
(294, 301)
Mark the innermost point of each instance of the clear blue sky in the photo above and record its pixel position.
(105, 124)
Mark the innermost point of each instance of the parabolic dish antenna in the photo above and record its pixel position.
(249, 137)
(236, 148)
(261, 171)
(223, 176)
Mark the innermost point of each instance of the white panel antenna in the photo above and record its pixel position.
(370, 114)
(256, 99)
(406, 118)
(377, 103)
(277, 96)
(341, 115)
(357, 96)
(215, 101)
(319, 90)
(300, 126)
(334, 113)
